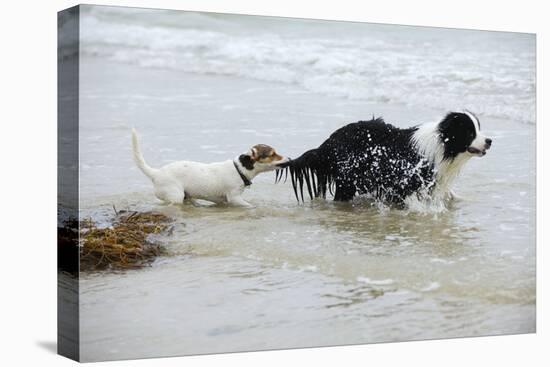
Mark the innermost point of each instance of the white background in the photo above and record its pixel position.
(28, 181)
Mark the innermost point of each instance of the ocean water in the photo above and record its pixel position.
(492, 73)
(206, 87)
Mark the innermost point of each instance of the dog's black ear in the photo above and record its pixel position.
(246, 161)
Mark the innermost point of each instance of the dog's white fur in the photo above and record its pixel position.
(427, 141)
(479, 141)
(217, 182)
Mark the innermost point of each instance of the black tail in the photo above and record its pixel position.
(310, 169)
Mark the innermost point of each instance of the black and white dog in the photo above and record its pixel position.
(387, 163)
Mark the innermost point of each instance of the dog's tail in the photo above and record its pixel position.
(138, 158)
(310, 169)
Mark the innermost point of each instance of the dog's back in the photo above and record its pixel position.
(365, 157)
(203, 180)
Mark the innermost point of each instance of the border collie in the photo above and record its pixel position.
(387, 163)
(219, 182)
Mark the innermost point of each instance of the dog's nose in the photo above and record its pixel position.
(488, 142)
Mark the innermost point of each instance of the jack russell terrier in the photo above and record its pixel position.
(219, 182)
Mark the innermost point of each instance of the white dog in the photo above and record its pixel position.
(219, 182)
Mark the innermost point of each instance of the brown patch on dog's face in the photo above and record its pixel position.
(265, 154)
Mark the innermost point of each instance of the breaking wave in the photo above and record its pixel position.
(492, 73)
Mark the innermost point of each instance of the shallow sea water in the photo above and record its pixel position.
(284, 274)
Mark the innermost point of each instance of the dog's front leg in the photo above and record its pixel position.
(237, 200)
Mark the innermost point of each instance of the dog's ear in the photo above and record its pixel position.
(246, 161)
(254, 153)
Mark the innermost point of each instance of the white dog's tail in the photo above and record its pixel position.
(138, 158)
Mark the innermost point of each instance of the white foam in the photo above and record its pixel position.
(431, 287)
(375, 281)
(373, 66)
(442, 261)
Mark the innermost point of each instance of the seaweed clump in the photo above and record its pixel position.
(126, 244)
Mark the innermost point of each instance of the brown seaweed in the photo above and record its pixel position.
(126, 244)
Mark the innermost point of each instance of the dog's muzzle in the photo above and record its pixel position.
(284, 164)
(481, 152)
